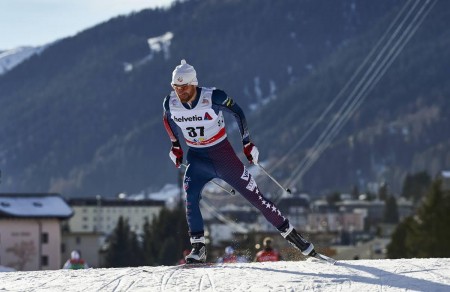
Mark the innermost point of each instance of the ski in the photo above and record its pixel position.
(324, 258)
(196, 265)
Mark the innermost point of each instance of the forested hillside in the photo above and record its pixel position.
(84, 116)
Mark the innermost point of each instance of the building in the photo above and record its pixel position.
(373, 210)
(335, 222)
(296, 208)
(30, 230)
(95, 218)
(100, 215)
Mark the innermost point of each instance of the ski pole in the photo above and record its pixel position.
(231, 191)
(274, 180)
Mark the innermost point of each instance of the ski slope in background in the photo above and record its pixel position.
(363, 275)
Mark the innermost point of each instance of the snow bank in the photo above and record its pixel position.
(363, 275)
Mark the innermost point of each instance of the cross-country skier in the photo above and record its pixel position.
(198, 112)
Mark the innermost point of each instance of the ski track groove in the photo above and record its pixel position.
(208, 277)
(211, 281)
(117, 281)
(163, 283)
(132, 283)
(436, 276)
(43, 284)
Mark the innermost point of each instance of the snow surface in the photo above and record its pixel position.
(11, 58)
(362, 275)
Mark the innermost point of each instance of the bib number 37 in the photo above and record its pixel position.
(196, 131)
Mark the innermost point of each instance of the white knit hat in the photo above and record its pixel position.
(184, 74)
(75, 255)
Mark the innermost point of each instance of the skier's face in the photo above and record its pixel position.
(185, 92)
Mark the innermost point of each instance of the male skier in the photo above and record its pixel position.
(198, 112)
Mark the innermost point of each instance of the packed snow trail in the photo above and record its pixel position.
(362, 275)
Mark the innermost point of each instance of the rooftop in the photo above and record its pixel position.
(34, 205)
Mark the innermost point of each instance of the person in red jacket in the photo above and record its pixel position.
(268, 254)
(230, 256)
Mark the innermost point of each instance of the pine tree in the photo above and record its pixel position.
(415, 186)
(399, 247)
(124, 248)
(136, 258)
(116, 255)
(166, 237)
(147, 244)
(391, 210)
(432, 233)
(426, 234)
(166, 255)
(383, 192)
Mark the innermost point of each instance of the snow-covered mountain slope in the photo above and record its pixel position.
(11, 58)
(363, 275)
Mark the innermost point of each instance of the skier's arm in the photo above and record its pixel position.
(176, 153)
(222, 101)
(67, 265)
(169, 124)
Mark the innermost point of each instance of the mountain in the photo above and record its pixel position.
(84, 116)
(360, 275)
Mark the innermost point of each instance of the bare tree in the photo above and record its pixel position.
(25, 251)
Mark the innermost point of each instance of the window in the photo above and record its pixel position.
(78, 240)
(44, 237)
(63, 247)
(44, 260)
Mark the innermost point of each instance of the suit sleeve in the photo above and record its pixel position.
(169, 124)
(222, 101)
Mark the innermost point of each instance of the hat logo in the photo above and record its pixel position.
(180, 79)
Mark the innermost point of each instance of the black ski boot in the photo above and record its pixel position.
(198, 252)
(296, 240)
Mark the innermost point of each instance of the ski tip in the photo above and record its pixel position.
(324, 258)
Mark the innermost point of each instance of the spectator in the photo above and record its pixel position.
(75, 262)
(230, 256)
(182, 261)
(268, 254)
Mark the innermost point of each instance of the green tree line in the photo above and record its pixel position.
(161, 243)
(426, 233)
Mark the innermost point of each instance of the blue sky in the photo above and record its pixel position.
(38, 22)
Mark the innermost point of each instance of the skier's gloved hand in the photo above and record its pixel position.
(251, 152)
(176, 154)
